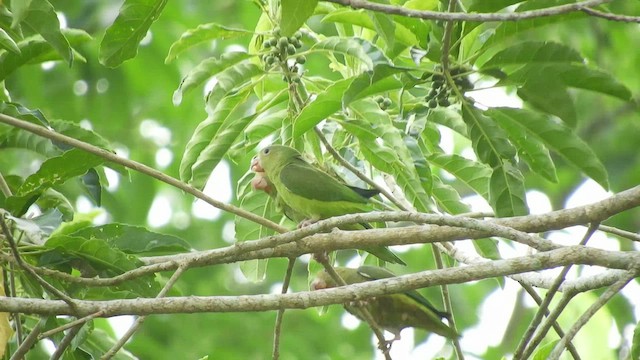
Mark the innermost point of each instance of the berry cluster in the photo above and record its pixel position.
(440, 91)
(383, 102)
(282, 47)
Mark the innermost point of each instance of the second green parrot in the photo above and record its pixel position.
(392, 312)
(312, 194)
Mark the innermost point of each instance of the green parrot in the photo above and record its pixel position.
(392, 312)
(312, 194)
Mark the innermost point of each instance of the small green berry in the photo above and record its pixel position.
(437, 78)
(283, 42)
(297, 43)
(276, 31)
(444, 102)
(291, 49)
(301, 59)
(433, 104)
(386, 102)
(297, 35)
(379, 99)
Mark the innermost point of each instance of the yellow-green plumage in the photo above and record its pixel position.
(314, 194)
(392, 312)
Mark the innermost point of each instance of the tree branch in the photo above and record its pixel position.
(482, 17)
(303, 300)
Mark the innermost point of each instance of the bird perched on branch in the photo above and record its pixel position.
(309, 194)
(392, 312)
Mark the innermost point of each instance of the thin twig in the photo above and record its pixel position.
(446, 300)
(525, 349)
(609, 16)
(4, 187)
(446, 41)
(364, 313)
(280, 314)
(477, 17)
(602, 300)
(556, 326)
(16, 254)
(66, 341)
(140, 320)
(355, 171)
(71, 324)
(28, 342)
(622, 233)
(12, 293)
(139, 167)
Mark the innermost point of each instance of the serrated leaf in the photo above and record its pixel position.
(473, 174)
(534, 52)
(557, 137)
(42, 17)
(134, 239)
(207, 130)
(325, 104)
(35, 49)
(360, 49)
(6, 42)
(571, 75)
(202, 33)
(506, 191)
(231, 71)
(294, 13)
(489, 141)
(121, 40)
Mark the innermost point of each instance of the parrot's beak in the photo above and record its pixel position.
(256, 166)
(318, 284)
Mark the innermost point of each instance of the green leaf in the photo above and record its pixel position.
(134, 239)
(120, 42)
(207, 130)
(35, 49)
(104, 258)
(91, 183)
(325, 104)
(202, 33)
(229, 68)
(19, 10)
(449, 118)
(52, 199)
(360, 49)
(448, 198)
(7, 42)
(506, 191)
(570, 75)
(635, 344)
(211, 155)
(487, 248)
(42, 17)
(23, 113)
(550, 96)
(22, 139)
(366, 19)
(530, 148)
(543, 352)
(372, 82)
(294, 13)
(557, 137)
(38, 228)
(490, 142)
(532, 52)
(259, 203)
(473, 174)
(385, 27)
(420, 164)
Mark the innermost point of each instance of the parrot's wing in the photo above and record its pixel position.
(376, 273)
(304, 180)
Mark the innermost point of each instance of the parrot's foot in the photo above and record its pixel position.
(306, 223)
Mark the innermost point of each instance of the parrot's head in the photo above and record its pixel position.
(276, 156)
(324, 281)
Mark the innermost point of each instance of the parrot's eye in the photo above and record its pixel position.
(266, 151)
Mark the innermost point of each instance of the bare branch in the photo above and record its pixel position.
(609, 16)
(278, 326)
(302, 300)
(483, 17)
